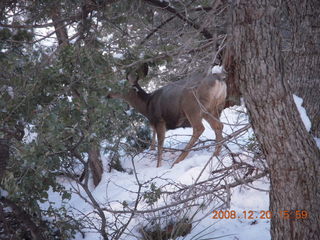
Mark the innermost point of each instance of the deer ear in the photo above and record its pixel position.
(140, 72)
(143, 70)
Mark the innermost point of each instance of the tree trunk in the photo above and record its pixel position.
(233, 92)
(291, 152)
(303, 58)
(59, 25)
(95, 163)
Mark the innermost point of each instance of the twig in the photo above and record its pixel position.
(212, 191)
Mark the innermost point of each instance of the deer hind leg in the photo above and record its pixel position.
(153, 141)
(198, 128)
(160, 128)
(217, 126)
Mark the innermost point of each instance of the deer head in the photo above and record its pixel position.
(135, 95)
(183, 103)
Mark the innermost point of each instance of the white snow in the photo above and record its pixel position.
(217, 69)
(303, 114)
(317, 142)
(118, 55)
(29, 134)
(118, 187)
(304, 117)
(10, 91)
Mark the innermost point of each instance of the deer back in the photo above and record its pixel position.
(169, 102)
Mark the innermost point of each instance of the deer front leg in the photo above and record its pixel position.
(161, 131)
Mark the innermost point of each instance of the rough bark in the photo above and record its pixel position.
(233, 91)
(303, 56)
(291, 152)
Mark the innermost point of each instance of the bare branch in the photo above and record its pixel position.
(165, 6)
(236, 183)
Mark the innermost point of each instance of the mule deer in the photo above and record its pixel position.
(183, 103)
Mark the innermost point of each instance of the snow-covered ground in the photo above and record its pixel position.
(117, 188)
(118, 191)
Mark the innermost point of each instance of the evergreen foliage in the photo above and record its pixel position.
(58, 61)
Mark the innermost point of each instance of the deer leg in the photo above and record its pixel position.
(217, 126)
(198, 129)
(153, 141)
(161, 131)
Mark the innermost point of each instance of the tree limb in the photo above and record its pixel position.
(165, 6)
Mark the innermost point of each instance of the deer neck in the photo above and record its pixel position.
(139, 100)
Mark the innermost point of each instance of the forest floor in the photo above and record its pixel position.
(119, 191)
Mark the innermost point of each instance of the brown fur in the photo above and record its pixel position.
(180, 104)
